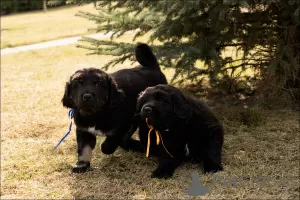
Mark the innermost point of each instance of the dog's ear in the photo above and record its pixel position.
(180, 107)
(66, 100)
(114, 95)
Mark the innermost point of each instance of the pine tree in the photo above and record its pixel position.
(45, 5)
(264, 35)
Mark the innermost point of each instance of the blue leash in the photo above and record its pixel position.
(71, 114)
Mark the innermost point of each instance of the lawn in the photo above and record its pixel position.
(33, 121)
(34, 27)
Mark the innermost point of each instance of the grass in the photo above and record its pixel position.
(35, 27)
(33, 120)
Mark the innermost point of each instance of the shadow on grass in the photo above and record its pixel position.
(128, 175)
(264, 149)
(115, 176)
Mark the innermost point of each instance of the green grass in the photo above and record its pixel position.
(33, 120)
(35, 27)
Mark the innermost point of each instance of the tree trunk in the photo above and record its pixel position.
(45, 5)
(95, 3)
(15, 6)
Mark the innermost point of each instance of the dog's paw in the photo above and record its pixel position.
(161, 173)
(212, 168)
(81, 167)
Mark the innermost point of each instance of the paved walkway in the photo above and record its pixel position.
(52, 43)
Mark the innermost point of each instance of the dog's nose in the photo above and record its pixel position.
(87, 97)
(147, 110)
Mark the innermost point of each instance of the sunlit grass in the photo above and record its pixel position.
(35, 27)
(33, 120)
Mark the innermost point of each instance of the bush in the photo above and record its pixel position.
(55, 3)
(10, 6)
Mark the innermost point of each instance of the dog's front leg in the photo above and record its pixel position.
(169, 157)
(165, 168)
(85, 144)
(112, 141)
(130, 144)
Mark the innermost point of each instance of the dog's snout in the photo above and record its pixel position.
(87, 97)
(147, 110)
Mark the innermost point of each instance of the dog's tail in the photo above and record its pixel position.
(145, 56)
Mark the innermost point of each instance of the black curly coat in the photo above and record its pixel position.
(105, 104)
(189, 130)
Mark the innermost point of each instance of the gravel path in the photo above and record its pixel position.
(52, 43)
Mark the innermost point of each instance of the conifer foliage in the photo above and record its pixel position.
(263, 34)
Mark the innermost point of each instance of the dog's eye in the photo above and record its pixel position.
(78, 83)
(162, 101)
(98, 84)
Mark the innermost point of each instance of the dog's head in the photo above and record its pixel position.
(90, 90)
(163, 105)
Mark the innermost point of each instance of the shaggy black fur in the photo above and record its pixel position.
(189, 130)
(105, 104)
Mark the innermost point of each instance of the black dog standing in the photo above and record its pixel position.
(105, 104)
(187, 129)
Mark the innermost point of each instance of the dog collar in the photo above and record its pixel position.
(71, 115)
(158, 139)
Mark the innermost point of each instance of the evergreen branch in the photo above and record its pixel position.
(201, 30)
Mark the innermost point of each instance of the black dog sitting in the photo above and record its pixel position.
(105, 104)
(186, 128)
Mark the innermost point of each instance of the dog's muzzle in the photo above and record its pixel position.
(146, 111)
(88, 102)
(87, 97)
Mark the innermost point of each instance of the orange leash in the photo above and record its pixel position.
(158, 138)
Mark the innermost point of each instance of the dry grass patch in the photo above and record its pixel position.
(35, 27)
(33, 120)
